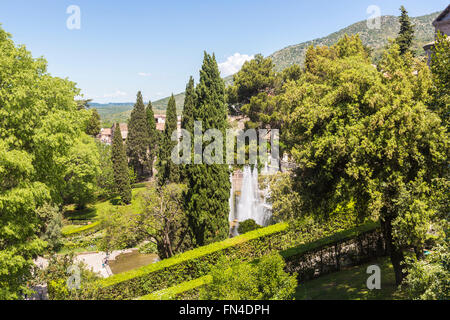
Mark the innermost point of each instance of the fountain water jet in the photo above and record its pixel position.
(252, 202)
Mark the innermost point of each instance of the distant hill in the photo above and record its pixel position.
(120, 112)
(374, 38)
(295, 54)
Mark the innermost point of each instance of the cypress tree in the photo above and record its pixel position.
(209, 185)
(168, 171)
(120, 166)
(138, 139)
(153, 137)
(187, 118)
(406, 35)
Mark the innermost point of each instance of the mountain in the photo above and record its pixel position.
(295, 54)
(374, 38)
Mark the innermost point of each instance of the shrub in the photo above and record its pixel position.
(82, 230)
(247, 225)
(429, 279)
(262, 280)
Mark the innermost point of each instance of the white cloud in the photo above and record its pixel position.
(116, 94)
(144, 74)
(233, 64)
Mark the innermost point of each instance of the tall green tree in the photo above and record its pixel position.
(137, 142)
(168, 171)
(187, 118)
(406, 34)
(120, 166)
(93, 125)
(365, 135)
(82, 169)
(39, 124)
(164, 221)
(105, 178)
(153, 135)
(209, 185)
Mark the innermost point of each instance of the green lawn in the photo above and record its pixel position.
(350, 284)
(93, 213)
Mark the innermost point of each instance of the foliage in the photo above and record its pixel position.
(179, 291)
(57, 273)
(122, 225)
(190, 289)
(168, 171)
(88, 227)
(406, 35)
(153, 137)
(79, 182)
(93, 124)
(187, 118)
(247, 225)
(120, 166)
(364, 135)
(132, 175)
(285, 200)
(255, 76)
(208, 184)
(186, 266)
(51, 227)
(164, 220)
(440, 70)
(138, 139)
(39, 124)
(198, 262)
(105, 180)
(429, 279)
(265, 280)
(148, 248)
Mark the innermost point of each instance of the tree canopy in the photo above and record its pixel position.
(209, 184)
(138, 139)
(40, 123)
(366, 135)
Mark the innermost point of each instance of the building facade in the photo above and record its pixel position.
(441, 24)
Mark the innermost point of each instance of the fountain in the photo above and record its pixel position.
(252, 202)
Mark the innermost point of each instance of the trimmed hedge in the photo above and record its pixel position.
(333, 239)
(179, 292)
(185, 266)
(190, 289)
(198, 262)
(82, 229)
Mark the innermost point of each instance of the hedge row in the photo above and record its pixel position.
(190, 289)
(330, 240)
(186, 266)
(83, 229)
(198, 262)
(180, 291)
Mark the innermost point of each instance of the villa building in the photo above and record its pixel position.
(442, 24)
(106, 134)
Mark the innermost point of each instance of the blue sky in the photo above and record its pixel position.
(154, 46)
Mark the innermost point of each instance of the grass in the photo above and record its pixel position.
(350, 284)
(95, 212)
